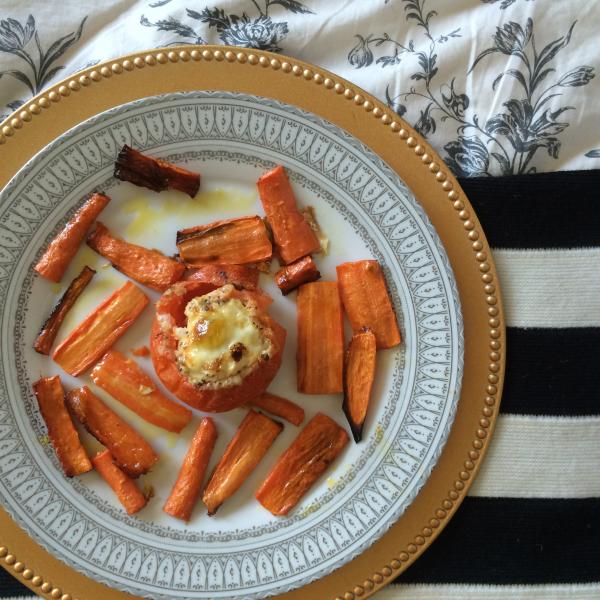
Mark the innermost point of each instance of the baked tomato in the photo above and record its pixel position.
(215, 348)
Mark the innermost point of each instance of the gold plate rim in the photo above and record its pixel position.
(312, 88)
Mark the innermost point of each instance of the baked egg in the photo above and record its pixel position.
(222, 341)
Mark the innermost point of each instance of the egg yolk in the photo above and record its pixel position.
(220, 342)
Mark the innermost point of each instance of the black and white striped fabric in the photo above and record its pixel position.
(530, 526)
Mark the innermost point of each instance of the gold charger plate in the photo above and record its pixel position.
(95, 90)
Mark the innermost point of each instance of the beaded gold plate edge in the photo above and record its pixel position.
(112, 83)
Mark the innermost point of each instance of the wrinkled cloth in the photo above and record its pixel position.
(498, 87)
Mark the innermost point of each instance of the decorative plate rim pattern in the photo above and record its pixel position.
(444, 180)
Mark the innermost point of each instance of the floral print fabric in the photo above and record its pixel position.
(496, 86)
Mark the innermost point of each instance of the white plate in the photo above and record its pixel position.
(366, 211)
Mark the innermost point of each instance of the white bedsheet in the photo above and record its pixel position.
(497, 86)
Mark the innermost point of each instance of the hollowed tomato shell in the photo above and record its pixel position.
(170, 313)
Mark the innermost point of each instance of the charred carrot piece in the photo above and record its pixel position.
(250, 443)
(100, 329)
(124, 380)
(64, 246)
(240, 276)
(280, 407)
(238, 241)
(295, 471)
(127, 492)
(130, 450)
(47, 335)
(148, 267)
(154, 173)
(187, 488)
(141, 351)
(320, 354)
(294, 275)
(358, 379)
(293, 236)
(366, 301)
(61, 431)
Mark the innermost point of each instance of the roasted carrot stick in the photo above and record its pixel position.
(294, 237)
(316, 446)
(240, 276)
(61, 431)
(127, 492)
(358, 379)
(148, 267)
(295, 274)
(100, 329)
(124, 380)
(187, 488)
(154, 173)
(64, 246)
(238, 241)
(366, 301)
(47, 335)
(250, 443)
(320, 353)
(280, 407)
(130, 450)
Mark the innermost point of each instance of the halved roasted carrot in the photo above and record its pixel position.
(154, 173)
(320, 354)
(100, 329)
(238, 241)
(240, 276)
(124, 380)
(64, 246)
(47, 335)
(250, 443)
(366, 301)
(61, 431)
(295, 274)
(280, 407)
(293, 236)
(187, 488)
(130, 450)
(127, 492)
(295, 471)
(148, 267)
(359, 374)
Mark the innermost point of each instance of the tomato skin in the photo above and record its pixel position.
(241, 276)
(163, 344)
